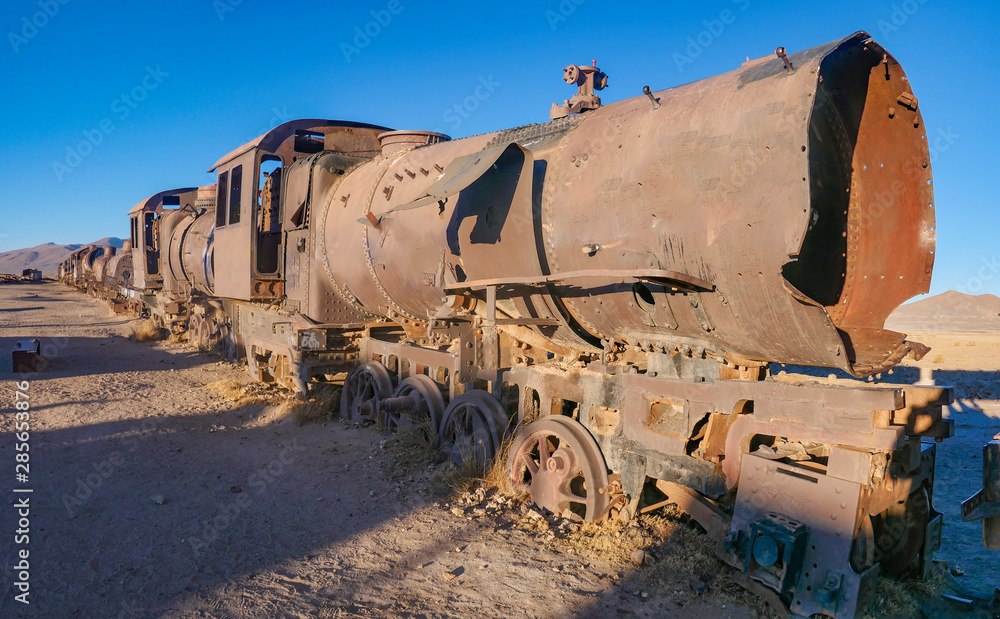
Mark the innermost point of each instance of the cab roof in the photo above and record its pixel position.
(273, 139)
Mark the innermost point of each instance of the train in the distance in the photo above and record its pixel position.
(605, 292)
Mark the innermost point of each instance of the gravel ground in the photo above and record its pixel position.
(154, 497)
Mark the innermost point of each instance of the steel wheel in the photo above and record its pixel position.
(472, 429)
(194, 327)
(559, 463)
(209, 333)
(364, 387)
(417, 398)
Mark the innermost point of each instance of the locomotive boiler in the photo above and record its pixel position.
(604, 292)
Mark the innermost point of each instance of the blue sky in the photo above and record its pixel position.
(106, 103)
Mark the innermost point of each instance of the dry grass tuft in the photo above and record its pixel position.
(496, 477)
(891, 598)
(681, 553)
(678, 554)
(177, 338)
(146, 331)
(462, 478)
(251, 393)
(410, 449)
(323, 405)
(451, 479)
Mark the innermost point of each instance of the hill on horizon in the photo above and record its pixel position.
(948, 312)
(46, 257)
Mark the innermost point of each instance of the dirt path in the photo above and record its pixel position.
(154, 497)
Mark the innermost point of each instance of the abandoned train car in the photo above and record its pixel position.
(606, 290)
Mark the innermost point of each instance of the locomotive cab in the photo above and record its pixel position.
(251, 216)
(145, 234)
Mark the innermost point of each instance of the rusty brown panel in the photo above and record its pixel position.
(338, 135)
(716, 183)
(266, 289)
(985, 504)
(342, 239)
(709, 184)
(829, 508)
(715, 521)
(321, 298)
(891, 207)
(404, 261)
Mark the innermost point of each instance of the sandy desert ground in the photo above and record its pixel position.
(156, 497)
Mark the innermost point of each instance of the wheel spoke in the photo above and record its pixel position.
(543, 451)
(529, 462)
(566, 496)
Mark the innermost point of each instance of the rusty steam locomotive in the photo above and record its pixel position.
(605, 290)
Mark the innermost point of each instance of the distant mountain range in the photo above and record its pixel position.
(45, 258)
(948, 312)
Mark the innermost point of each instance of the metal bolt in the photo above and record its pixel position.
(780, 53)
(646, 90)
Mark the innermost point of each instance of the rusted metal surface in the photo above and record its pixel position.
(758, 240)
(715, 521)
(416, 399)
(587, 79)
(473, 428)
(985, 504)
(147, 240)
(118, 271)
(31, 275)
(240, 231)
(188, 234)
(27, 356)
(798, 548)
